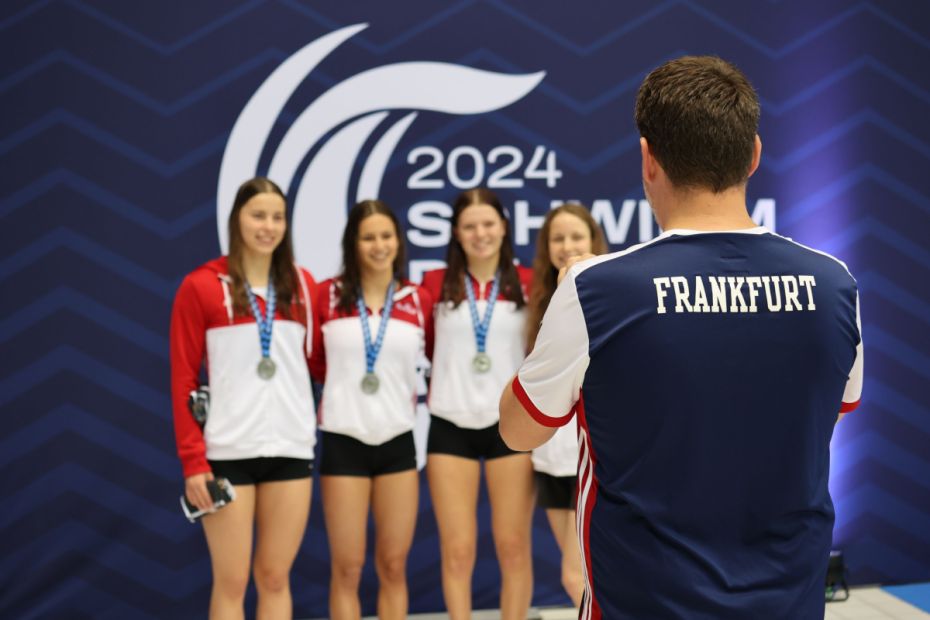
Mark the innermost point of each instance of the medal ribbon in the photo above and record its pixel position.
(373, 348)
(265, 323)
(481, 325)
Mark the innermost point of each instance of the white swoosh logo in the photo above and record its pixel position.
(322, 193)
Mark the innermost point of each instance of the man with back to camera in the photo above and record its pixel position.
(707, 368)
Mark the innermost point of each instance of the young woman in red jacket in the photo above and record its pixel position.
(372, 328)
(480, 320)
(246, 317)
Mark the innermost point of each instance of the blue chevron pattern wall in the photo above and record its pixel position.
(115, 117)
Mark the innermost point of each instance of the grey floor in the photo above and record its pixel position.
(871, 603)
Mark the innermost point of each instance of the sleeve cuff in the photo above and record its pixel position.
(195, 465)
(847, 407)
(534, 412)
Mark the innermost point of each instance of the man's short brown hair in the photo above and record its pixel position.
(700, 116)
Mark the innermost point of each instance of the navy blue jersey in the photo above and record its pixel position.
(707, 371)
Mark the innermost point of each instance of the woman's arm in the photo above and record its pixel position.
(187, 342)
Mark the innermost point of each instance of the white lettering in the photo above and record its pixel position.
(735, 284)
(647, 221)
(700, 296)
(615, 228)
(752, 285)
(763, 213)
(416, 268)
(718, 285)
(432, 216)
(661, 284)
(772, 306)
(523, 222)
(791, 293)
(728, 294)
(680, 284)
(809, 283)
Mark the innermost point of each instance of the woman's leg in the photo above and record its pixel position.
(562, 521)
(394, 505)
(345, 508)
(557, 517)
(510, 489)
(281, 512)
(453, 485)
(572, 574)
(229, 538)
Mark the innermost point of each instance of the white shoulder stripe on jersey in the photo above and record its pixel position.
(687, 232)
(758, 230)
(815, 251)
(577, 268)
(675, 232)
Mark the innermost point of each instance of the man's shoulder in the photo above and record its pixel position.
(689, 249)
(815, 258)
(614, 262)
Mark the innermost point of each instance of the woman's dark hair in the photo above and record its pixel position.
(351, 276)
(545, 276)
(453, 285)
(282, 259)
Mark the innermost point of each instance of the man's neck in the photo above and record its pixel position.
(705, 210)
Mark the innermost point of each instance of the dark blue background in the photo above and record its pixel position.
(114, 120)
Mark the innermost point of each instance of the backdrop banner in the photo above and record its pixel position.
(126, 128)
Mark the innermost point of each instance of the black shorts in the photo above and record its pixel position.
(556, 491)
(347, 456)
(471, 443)
(263, 469)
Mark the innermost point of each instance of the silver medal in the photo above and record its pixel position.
(266, 368)
(370, 383)
(481, 362)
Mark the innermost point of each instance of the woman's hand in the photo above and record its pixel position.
(571, 261)
(195, 488)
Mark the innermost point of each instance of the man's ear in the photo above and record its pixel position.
(756, 155)
(650, 163)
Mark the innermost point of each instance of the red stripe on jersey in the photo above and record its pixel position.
(587, 496)
(535, 413)
(847, 407)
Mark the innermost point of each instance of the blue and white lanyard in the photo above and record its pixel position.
(265, 323)
(373, 348)
(481, 325)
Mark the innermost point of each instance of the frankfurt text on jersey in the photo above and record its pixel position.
(735, 294)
